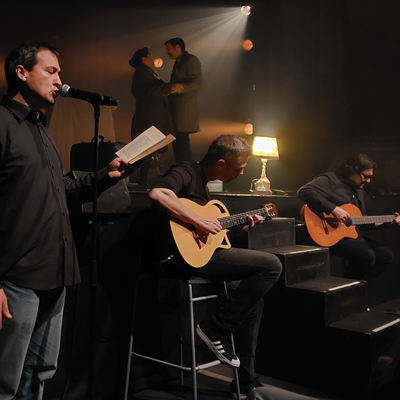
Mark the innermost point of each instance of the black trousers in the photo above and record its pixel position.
(253, 273)
(366, 257)
(181, 147)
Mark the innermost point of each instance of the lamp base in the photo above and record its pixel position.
(263, 186)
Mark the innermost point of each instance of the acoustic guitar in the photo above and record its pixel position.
(196, 247)
(328, 231)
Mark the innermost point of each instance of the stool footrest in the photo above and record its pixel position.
(162, 362)
(182, 367)
(201, 298)
(208, 365)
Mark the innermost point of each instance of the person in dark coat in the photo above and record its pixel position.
(152, 108)
(187, 71)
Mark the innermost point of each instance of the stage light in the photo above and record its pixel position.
(248, 129)
(265, 148)
(245, 10)
(158, 62)
(247, 45)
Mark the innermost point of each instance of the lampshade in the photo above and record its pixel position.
(265, 147)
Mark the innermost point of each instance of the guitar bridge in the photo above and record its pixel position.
(195, 235)
(324, 224)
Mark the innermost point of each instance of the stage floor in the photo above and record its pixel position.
(214, 385)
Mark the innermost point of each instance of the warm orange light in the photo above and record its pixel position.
(247, 45)
(245, 10)
(248, 129)
(158, 62)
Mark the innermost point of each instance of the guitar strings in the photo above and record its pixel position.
(241, 218)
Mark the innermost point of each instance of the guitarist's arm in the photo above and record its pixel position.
(317, 193)
(171, 203)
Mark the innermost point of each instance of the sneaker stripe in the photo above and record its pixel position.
(218, 349)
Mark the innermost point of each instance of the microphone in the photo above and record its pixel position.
(94, 98)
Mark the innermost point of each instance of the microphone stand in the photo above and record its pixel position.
(93, 269)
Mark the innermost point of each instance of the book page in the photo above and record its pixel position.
(140, 144)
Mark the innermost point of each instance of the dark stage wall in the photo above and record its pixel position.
(322, 76)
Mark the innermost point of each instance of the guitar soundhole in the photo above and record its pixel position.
(348, 222)
(221, 209)
(333, 222)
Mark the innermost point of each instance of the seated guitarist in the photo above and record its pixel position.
(257, 271)
(328, 191)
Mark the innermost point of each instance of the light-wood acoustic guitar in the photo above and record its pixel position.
(328, 231)
(196, 247)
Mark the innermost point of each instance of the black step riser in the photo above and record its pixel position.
(273, 233)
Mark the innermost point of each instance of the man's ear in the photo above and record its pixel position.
(21, 72)
(221, 163)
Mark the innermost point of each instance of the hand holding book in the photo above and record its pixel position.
(145, 144)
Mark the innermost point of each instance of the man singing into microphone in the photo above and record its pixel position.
(37, 253)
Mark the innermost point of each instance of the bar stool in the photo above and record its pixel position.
(193, 367)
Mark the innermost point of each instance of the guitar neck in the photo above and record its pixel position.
(240, 219)
(371, 220)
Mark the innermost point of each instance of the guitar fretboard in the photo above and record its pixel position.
(239, 219)
(371, 220)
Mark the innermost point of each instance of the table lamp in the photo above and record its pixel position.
(266, 148)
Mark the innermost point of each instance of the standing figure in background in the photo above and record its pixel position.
(187, 71)
(152, 106)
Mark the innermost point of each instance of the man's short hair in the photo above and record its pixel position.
(229, 148)
(25, 55)
(136, 59)
(177, 41)
(355, 164)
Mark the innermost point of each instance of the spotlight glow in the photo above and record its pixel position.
(245, 10)
(248, 129)
(158, 62)
(247, 45)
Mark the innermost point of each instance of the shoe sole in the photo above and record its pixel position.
(210, 345)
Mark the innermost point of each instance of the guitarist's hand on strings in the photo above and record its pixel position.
(253, 220)
(208, 225)
(340, 214)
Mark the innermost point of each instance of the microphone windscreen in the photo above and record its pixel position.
(64, 90)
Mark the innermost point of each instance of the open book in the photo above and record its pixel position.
(145, 144)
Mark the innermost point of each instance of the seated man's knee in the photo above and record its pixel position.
(273, 267)
(384, 255)
(367, 258)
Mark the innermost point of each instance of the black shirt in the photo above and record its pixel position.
(36, 243)
(186, 180)
(329, 190)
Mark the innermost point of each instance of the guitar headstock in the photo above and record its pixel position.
(272, 211)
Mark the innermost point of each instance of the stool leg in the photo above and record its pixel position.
(181, 358)
(235, 373)
(132, 328)
(192, 342)
(128, 369)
